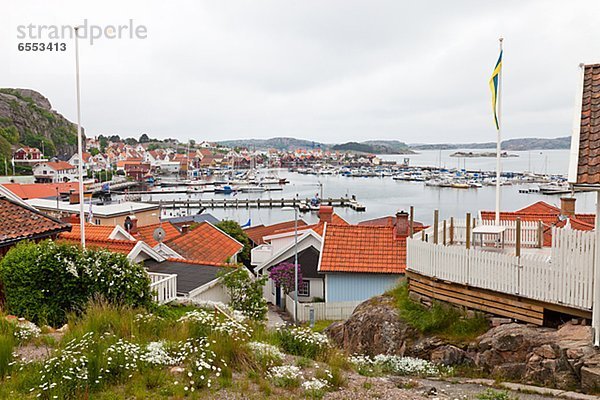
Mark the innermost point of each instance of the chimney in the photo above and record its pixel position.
(325, 214)
(72, 219)
(402, 224)
(185, 229)
(567, 206)
(131, 224)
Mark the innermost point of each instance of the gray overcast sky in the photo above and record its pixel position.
(329, 71)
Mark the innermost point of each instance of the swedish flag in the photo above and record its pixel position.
(494, 88)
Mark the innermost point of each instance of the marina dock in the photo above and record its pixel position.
(302, 204)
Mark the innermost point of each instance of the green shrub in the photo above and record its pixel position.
(440, 319)
(491, 394)
(303, 342)
(246, 293)
(44, 282)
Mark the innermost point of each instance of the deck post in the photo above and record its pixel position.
(451, 230)
(518, 238)
(435, 226)
(596, 288)
(444, 232)
(412, 221)
(468, 223)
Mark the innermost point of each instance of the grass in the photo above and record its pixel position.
(321, 325)
(7, 344)
(492, 394)
(440, 319)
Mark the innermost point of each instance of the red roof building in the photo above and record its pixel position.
(206, 243)
(21, 222)
(258, 232)
(365, 248)
(549, 215)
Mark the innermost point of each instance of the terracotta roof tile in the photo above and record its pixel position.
(20, 223)
(205, 243)
(257, 233)
(92, 232)
(588, 168)
(60, 165)
(40, 190)
(146, 233)
(362, 249)
(117, 246)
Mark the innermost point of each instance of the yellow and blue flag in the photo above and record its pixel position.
(494, 88)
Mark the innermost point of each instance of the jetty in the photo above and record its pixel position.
(301, 204)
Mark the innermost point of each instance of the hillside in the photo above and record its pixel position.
(287, 143)
(279, 143)
(374, 147)
(27, 118)
(521, 144)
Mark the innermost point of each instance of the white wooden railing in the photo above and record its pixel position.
(566, 277)
(456, 232)
(334, 311)
(163, 287)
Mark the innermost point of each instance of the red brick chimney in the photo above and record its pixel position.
(567, 206)
(402, 225)
(72, 219)
(185, 229)
(131, 224)
(326, 214)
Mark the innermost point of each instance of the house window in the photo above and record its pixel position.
(304, 289)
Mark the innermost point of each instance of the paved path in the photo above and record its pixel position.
(273, 318)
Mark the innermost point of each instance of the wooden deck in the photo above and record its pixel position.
(497, 303)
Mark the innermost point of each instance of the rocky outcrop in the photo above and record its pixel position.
(563, 358)
(374, 328)
(32, 116)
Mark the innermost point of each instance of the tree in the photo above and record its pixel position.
(283, 276)
(131, 141)
(94, 151)
(144, 138)
(246, 293)
(114, 138)
(45, 281)
(234, 230)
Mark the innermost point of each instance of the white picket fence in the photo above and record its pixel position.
(457, 232)
(163, 287)
(566, 277)
(322, 311)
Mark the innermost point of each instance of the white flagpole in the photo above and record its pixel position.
(499, 113)
(79, 143)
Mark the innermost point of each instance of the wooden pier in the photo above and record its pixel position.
(301, 204)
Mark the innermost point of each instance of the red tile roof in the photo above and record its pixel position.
(92, 232)
(40, 190)
(205, 243)
(317, 228)
(20, 222)
(257, 233)
(588, 166)
(60, 165)
(390, 220)
(548, 214)
(146, 233)
(117, 246)
(362, 249)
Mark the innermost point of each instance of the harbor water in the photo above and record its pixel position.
(384, 196)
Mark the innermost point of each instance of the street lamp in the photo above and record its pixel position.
(295, 259)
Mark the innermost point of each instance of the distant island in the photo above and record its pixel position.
(470, 154)
(288, 143)
(522, 144)
(395, 146)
